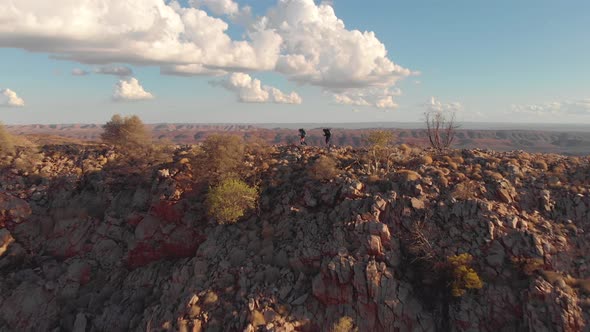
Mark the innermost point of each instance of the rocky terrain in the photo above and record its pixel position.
(89, 243)
(573, 142)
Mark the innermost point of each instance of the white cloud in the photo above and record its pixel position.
(9, 98)
(319, 50)
(375, 97)
(79, 72)
(132, 31)
(571, 107)
(114, 70)
(250, 90)
(434, 105)
(218, 7)
(129, 89)
(300, 39)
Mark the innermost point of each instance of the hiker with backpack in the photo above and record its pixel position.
(302, 134)
(328, 135)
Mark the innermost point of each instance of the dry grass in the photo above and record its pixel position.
(408, 175)
(466, 190)
(324, 169)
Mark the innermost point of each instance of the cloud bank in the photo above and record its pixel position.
(114, 70)
(9, 98)
(129, 89)
(434, 105)
(571, 107)
(304, 41)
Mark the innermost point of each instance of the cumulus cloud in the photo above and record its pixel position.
(320, 50)
(571, 107)
(300, 39)
(434, 105)
(129, 89)
(114, 70)
(79, 72)
(375, 97)
(251, 90)
(218, 7)
(9, 98)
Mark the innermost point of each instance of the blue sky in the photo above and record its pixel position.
(497, 61)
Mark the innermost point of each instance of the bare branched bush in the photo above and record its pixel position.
(441, 129)
(420, 245)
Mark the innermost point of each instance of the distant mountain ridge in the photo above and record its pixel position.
(565, 139)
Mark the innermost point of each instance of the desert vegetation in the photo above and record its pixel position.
(441, 129)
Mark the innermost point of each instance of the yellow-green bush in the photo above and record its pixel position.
(463, 277)
(344, 324)
(230, 200)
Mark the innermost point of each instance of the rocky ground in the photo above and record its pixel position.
(90, 244)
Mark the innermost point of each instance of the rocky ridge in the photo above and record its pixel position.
(86, 246)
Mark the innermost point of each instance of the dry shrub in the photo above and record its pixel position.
(408, 175)
(405, 149)
(466, 190)
(581, 284)
(493, 175)
(441, 178)
(6, 142)
(324, 169)
(540, 164)
(458, 160)
(425, 160)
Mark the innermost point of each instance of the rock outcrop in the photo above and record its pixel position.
(86, 245)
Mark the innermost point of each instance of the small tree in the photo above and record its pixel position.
(229, 201)
(221, 158)
(441, 129)
(6, 141)
(125, 131)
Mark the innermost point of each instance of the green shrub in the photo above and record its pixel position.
(463, 277)
(229, 201)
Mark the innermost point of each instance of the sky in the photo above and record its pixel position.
(282, 61)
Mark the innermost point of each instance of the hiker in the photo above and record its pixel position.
(328, 135)
(302, 136)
